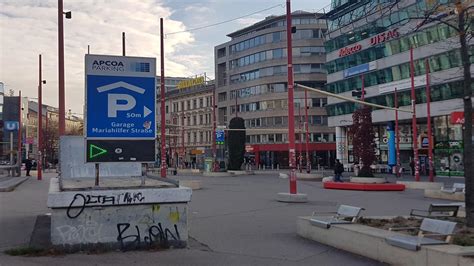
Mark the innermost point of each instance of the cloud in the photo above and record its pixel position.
(29, 27)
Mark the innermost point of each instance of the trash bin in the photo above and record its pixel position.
(208, 163)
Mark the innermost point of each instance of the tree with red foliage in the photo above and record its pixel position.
(363, 140)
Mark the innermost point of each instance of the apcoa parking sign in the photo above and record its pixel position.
(120, 100)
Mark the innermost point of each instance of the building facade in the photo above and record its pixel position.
(368, 46)
(251, 82)
(189, 115)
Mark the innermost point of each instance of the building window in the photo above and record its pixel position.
(201, 102)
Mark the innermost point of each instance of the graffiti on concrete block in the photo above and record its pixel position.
(85, 233)
(155, 235)
(80, 201)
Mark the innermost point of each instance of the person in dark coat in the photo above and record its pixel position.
(338, 170)
(412, 167)
(28, 166)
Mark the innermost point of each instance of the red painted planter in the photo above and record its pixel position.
(364, 187)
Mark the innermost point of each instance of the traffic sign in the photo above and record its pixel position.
(120, 97)
(120, 151)
(12, 125)
(220, 136)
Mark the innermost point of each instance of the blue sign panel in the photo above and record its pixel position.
(120, 97)
(220, 136)
(359, 69)
(11, 125)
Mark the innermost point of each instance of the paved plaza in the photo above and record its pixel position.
(232, 221)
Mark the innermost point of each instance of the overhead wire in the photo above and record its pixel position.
(225, 21)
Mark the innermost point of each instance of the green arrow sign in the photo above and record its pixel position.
(95, 151)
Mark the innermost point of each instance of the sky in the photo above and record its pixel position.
(29, 28)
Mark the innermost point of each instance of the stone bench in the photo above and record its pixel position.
(429, 227)
(345, 215)
(438, 210)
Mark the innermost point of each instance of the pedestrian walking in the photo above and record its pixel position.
(412, 166)
(28, 166)
(338, 170)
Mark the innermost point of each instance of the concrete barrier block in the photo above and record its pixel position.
(370, 242)
(438, 194)
(309, 177)
(421, 185)
(292, 198)
(193, 184)
(368, 180)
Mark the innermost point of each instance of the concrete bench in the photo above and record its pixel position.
(457, 187)
(429, 227)
(345, 215)
(438, 210)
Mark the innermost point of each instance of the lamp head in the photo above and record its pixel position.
(68, 14)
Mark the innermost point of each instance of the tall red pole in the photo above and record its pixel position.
(308, 163)
(62, 108)
(214, 125)
(413, 106)
(19, 130)
(162, 107)
(300, 134)
(428, 110)
(397, 135)
(40, 122)
(291, 110)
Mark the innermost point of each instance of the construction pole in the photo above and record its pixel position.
(397, 134)
(62, 107)
(291, 110)
(413, 106)
(162, 107)
(308, 163)
(40, 122)
(428, 111)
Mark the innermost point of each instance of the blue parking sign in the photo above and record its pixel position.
(120, 96)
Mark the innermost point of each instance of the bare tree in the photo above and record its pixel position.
(457, 15)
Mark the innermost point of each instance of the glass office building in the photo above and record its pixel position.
(251, 82)
(369, 42)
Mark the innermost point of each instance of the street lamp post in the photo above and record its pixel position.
(162, 107)
(62, 107)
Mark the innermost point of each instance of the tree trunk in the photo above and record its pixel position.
(467, 133)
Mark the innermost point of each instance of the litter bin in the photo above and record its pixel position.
(208, 162)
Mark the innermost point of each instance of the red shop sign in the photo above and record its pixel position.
(457, 118)
(384, 36)
(349, 50)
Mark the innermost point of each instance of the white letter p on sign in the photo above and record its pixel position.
(114, 106)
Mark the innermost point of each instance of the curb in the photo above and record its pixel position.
(12, 184)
